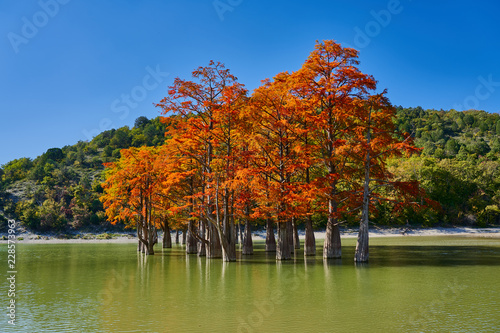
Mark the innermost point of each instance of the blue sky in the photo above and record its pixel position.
(71, 68)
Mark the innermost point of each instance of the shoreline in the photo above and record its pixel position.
(259, 235)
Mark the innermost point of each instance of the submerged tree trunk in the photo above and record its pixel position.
(139, 243)
(332, 248)
(283, 249)
(296, 241)
(362, 251)
(228, 245)
(247, 240)
(155, 236)
(213, 249)
(177, 236)
(270, 239)
(362, 246)
(310, 240)
(151, 232)
(235, 229)
(289, 232)
(201, 245)
(167, 238)
(191, 244)
(240, 230)
(184, 236)
(229, 250)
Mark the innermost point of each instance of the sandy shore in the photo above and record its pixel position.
(404, 232)
(29, 238)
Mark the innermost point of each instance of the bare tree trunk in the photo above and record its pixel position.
(270, 239)
(177, 236)
(228, 246)
(247, 240)
(184, 236)
(201, 245)
(191, 244)
(214, 249)
(236, 229)
(226, 233)
(362, 246)
(167, 238)
(155, 236)
(150, 247)
(240, 231)
(296, 241)
(310, 241)
(289, 232)
(151, 233)
(332, 248)
(139, 243)
(283, 250)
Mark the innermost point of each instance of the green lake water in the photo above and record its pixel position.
(412, 284)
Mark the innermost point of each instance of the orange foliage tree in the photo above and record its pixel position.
(375, 140)
(129, 190)
(207, 133)
(330, 83)
(277, 158)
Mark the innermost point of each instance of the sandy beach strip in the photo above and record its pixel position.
(259, 235)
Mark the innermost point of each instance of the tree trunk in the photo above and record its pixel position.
(283, 250)
(201, 245)
(184, 236)
(167, 238)
(176, 236)
(214, 249)
(191, 244)
(362, 252)
(240, 231)
(228, 245)
(236, 229)
(247, 240)
(296, 241)
(150, 249)
(270, 239)
(226, 233)
(289, 232)
(139, 243)
(332, 248)
(155, 236)
(151, 241)
(310, 241)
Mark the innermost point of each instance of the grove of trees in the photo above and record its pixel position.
(319, 148)
(314, 141)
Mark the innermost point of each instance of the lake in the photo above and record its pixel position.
(411, 284)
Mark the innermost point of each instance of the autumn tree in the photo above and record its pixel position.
(330, 83)
(377, 139)
(277, 158)
(129, 193)
(207, 109)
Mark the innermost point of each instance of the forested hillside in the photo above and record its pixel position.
(459, 168)
(459, 165)
(60, 189)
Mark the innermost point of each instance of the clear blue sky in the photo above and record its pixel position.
(71, 68)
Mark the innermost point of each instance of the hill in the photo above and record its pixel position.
(60, 189)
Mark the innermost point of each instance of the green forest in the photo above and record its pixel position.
(458, 167)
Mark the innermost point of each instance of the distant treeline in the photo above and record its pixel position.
(459, 168)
